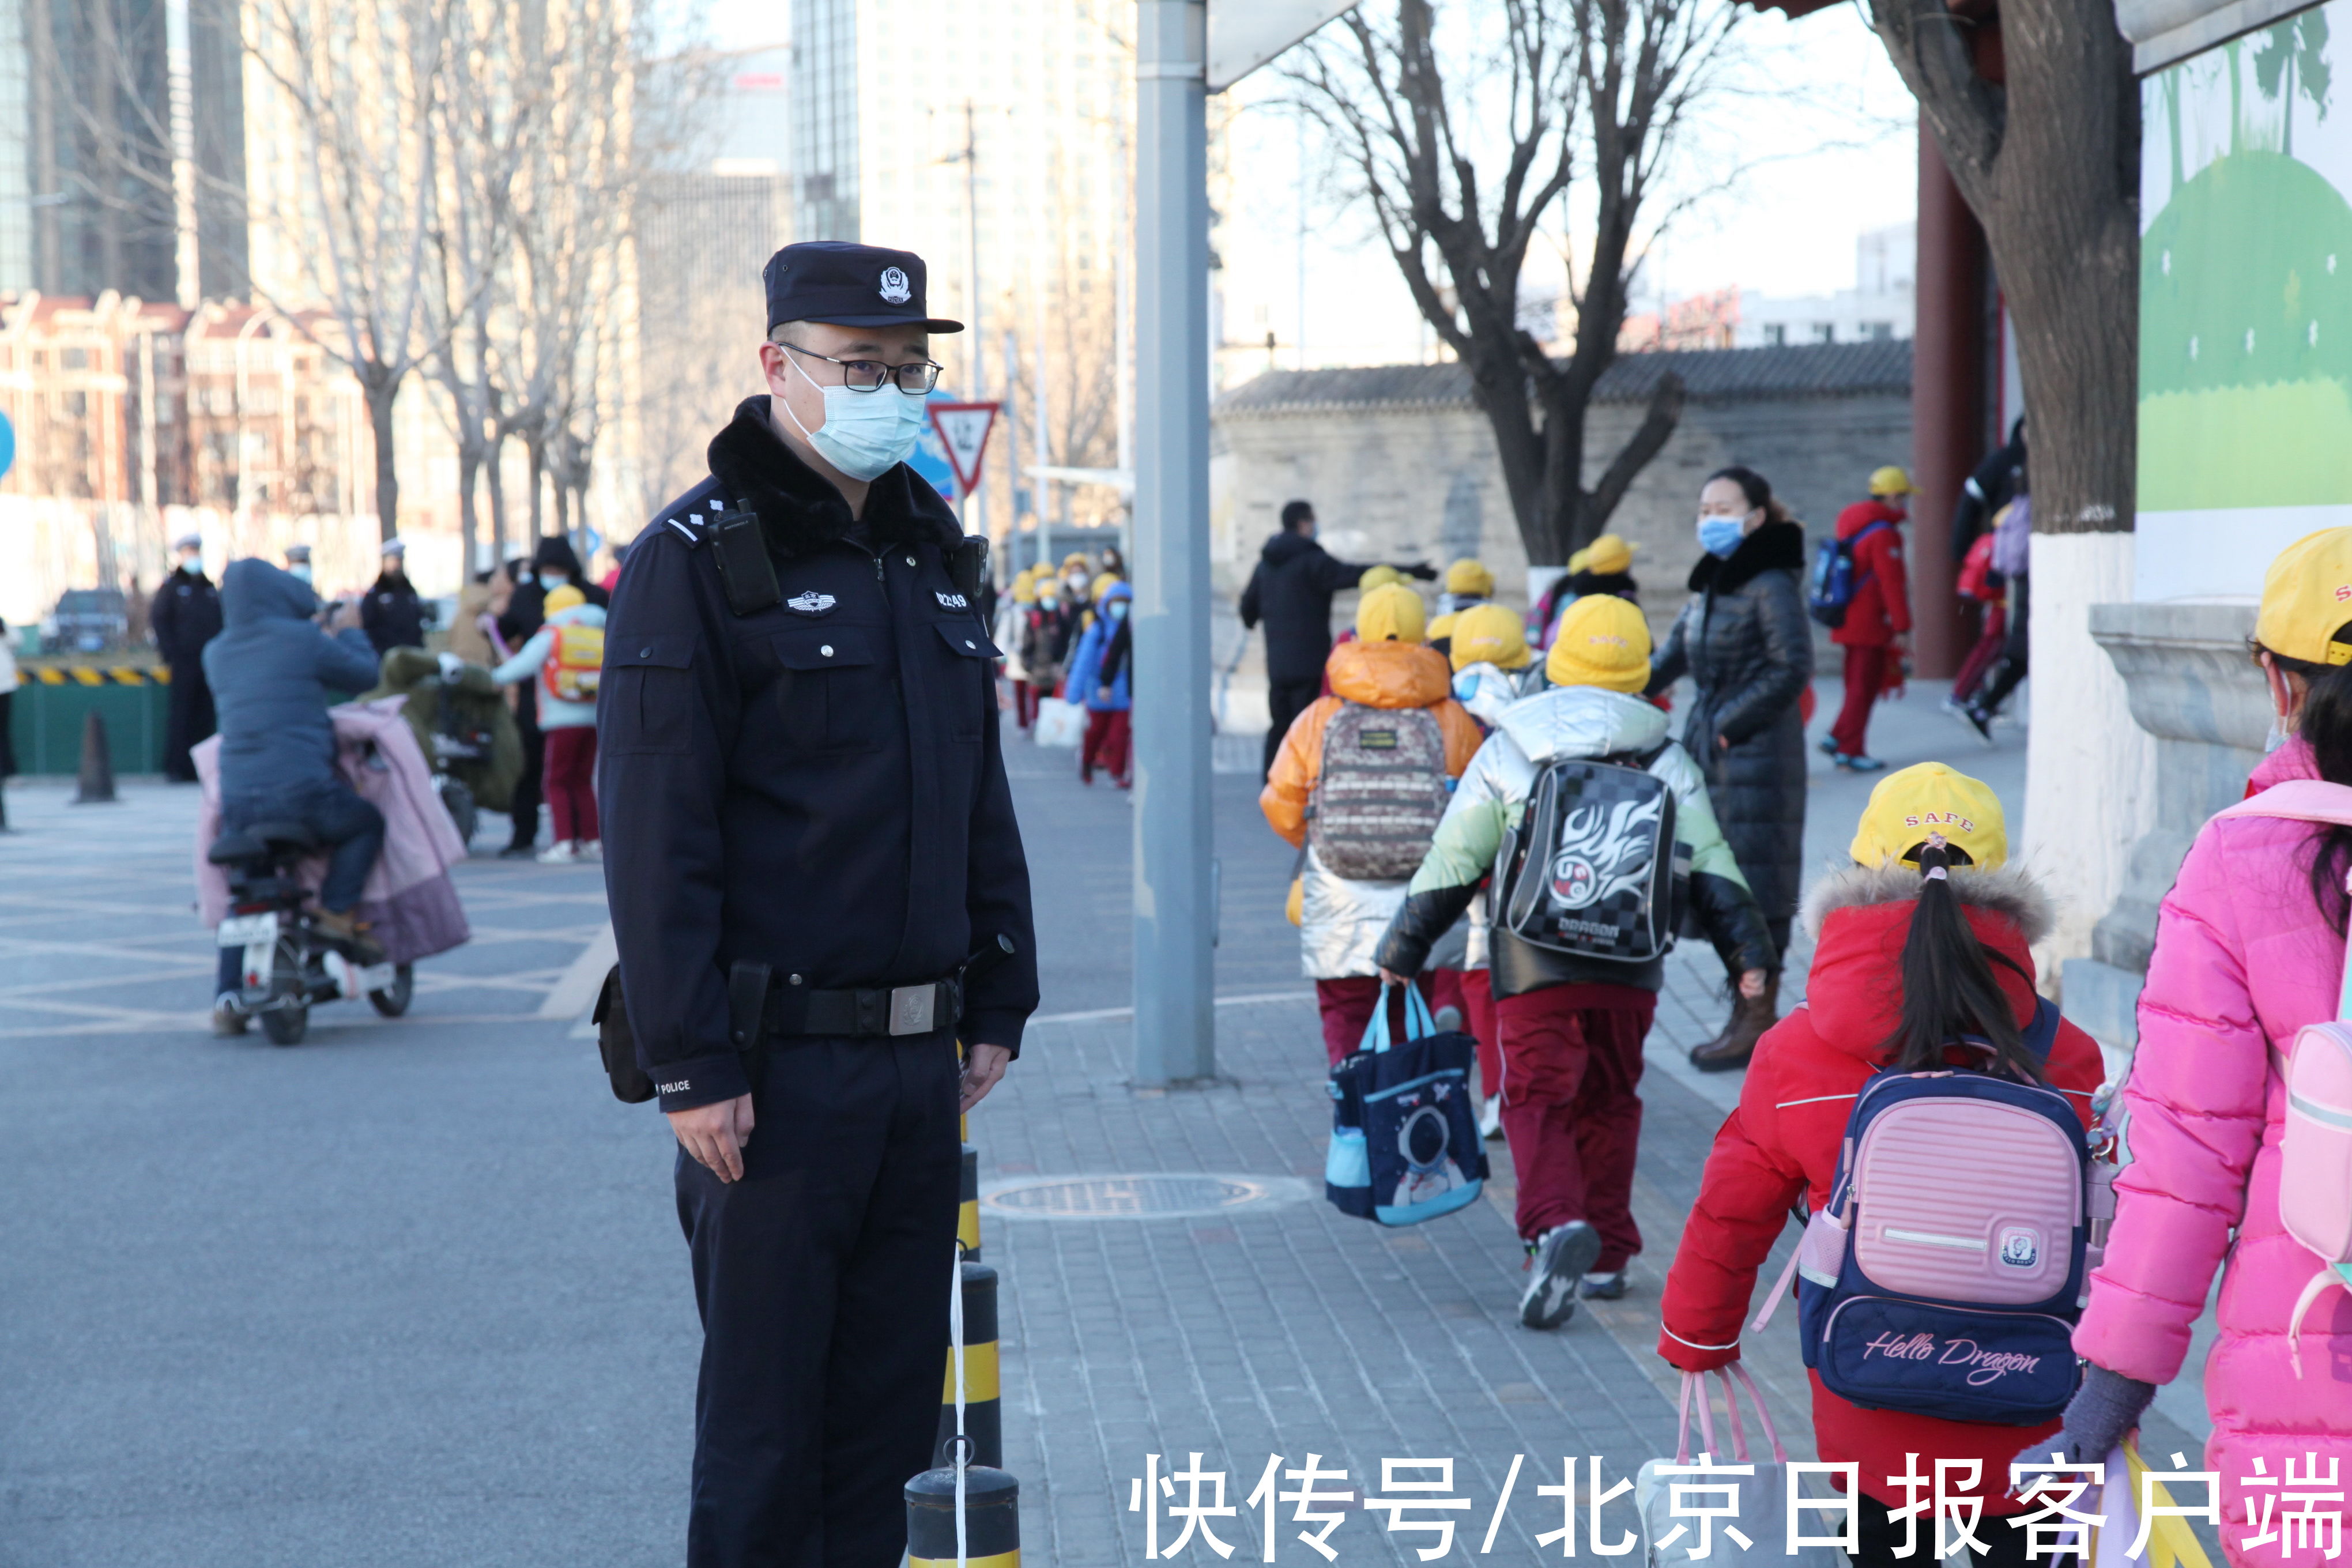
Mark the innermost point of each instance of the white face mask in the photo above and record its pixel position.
(864, 434)
(300, 569)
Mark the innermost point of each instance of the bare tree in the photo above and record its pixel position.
(360, 84)
(486, 109)
(2048, 159)
(1596, 93)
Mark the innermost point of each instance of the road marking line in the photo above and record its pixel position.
(576, 992)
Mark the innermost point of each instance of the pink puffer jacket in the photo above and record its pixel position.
(2242, 960)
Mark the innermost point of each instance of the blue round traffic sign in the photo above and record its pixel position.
(7, 445)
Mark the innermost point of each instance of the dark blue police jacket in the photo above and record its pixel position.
(817, 785)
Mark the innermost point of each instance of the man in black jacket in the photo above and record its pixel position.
(186, 614)
(818, 888)
(1291, 591)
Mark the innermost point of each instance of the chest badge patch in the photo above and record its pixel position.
(950, 601)
(810, 603)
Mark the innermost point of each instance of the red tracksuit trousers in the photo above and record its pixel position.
(1572, 1060)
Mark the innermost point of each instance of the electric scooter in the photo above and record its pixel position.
(290, 963)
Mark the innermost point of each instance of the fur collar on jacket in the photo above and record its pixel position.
(2009, 891)
(800, 512)
(1776, 545)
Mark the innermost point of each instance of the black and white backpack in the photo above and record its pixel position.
(1595, 869)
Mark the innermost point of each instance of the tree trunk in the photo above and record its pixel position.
(470, 466)
(496, 477)
(383, 390)
(538, 450)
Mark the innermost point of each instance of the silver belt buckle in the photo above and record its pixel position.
(911, 1008)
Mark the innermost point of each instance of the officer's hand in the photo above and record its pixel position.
(715, 1134)
(986, 1064)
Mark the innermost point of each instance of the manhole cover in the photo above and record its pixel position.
(1159, 1196)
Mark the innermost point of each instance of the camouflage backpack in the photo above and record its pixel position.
(1383, 788)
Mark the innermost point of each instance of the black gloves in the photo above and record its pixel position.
(1424, 573)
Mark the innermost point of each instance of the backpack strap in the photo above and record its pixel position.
(2040, 1036)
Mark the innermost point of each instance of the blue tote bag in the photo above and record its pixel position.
(1404, 1126)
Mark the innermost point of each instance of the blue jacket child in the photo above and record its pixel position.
(1103, 646)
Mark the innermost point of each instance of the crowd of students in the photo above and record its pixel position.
(1406, 788)
(1066, 638)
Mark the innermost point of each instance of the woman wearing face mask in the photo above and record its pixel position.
(1745, 643)
(2249, 949)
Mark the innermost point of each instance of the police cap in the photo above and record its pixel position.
(846, 285)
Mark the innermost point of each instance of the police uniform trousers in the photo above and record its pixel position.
(822, 1280)
(188, 719)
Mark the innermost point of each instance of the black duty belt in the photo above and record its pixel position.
(787, 1006)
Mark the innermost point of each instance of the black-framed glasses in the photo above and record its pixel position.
(870, 374)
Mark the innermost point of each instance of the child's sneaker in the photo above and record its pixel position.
(1602, 1287)
(563, 852)
(1560, 1256)
(1490, 1116)
(590, 849)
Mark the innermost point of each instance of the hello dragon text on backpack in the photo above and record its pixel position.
(573, 666)
(1950, 1298)
(1383, 787)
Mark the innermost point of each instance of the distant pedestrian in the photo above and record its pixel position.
(2001, 476)
(1604, 566)
(1980, 586)
(1098, 680)
(1877, 630)
(1045, 639)
(2012, 557)
(1011, 632)
(391, 614)
(186, 614)
(469, 638)
(1290, 591)
(297, 561)
(1570, 1027)
(1359, 782)
(563, 661)
(553, 563)
(1467, 585)
(1747, 643)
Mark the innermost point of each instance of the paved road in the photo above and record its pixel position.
(412, 1293)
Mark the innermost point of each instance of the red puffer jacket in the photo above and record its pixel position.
(1783, 1142)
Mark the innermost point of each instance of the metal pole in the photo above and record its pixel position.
(1175, 1033)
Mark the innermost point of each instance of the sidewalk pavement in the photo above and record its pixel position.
(412, 1293)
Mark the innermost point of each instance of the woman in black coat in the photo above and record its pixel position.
(1746, 642)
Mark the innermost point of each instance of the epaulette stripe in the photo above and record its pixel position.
(681, 524)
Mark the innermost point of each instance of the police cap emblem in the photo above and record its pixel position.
(895, 288)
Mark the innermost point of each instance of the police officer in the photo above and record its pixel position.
(186, 614)
(817, 887)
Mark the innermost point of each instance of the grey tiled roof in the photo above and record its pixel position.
(1806, 370)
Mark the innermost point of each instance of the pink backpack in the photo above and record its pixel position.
(2316, 1146)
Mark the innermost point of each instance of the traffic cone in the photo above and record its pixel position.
(97, 780)
(991, 1518)
(968, 1205)
(983, 1405)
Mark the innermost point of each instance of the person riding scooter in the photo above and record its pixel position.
(274, 673)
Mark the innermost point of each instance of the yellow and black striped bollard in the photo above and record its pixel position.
(983, 1407)
(992, 1517)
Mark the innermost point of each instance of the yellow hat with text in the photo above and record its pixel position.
(1603, 641)
(1389, 611)
(1890, 480)
(1490, 633)
(1930, 798)
(2307, 598)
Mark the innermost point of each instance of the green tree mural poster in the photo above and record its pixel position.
(2245, 391)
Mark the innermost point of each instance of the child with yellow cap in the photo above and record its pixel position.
(1875, 628)
(1572, 1027)
(1924, 939)
(1604, 566)
(1368, 769)
(2248, 951)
